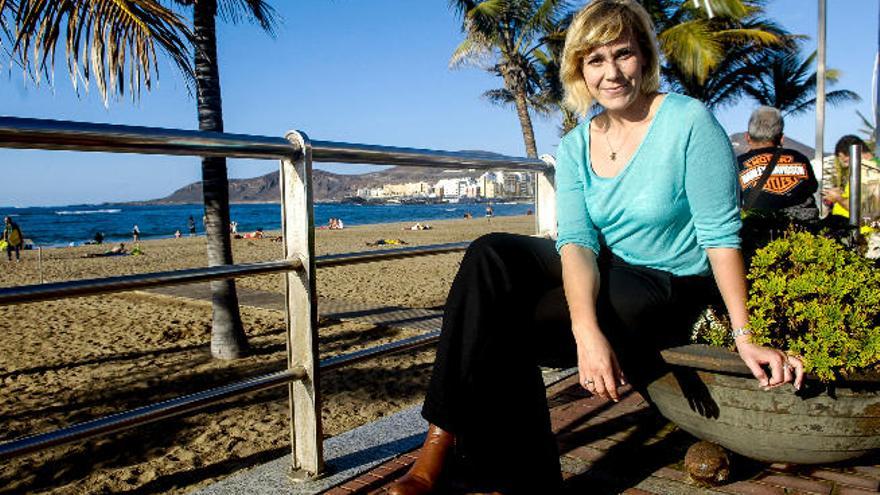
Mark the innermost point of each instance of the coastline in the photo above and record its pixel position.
(76, 225)
(68, 361)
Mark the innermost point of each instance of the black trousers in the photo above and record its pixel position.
(506, 316)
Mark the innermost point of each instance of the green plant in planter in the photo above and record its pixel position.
(814, 298)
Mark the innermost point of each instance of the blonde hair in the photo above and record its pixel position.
(599, 23)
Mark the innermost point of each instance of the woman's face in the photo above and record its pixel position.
(613, 73)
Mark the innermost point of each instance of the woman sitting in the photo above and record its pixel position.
(647, 214)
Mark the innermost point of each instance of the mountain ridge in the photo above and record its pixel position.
(327, 186)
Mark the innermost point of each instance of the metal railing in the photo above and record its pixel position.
(296, 153)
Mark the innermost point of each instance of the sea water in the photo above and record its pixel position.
(77, 224)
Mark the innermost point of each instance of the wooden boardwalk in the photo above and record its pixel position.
(606, 447)
(611, 448)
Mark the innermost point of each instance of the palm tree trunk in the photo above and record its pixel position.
(228, 340)
(525, 122)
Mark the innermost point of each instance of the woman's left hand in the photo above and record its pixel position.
(783, 368)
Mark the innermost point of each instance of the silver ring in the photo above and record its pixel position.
(588, 382)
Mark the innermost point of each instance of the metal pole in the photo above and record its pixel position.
(47, 134)
(106, 285)
(86, 136)
(877, 94)
(40, 262)
(545, 200)
(298, 227)
(855, 187)
(820, 97)
(146, 414)
(338, 152)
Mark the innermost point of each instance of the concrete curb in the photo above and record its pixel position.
(348, 455)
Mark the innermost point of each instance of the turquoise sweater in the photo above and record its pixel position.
(677, 196)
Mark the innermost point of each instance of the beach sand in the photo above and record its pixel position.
(64, 362)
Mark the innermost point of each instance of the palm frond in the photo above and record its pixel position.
(735, 9)
(545, 16)
(486, 14)
(104, 40)
(868, 126)
(461, 7)
(747, 35)
(833, 98)
(691, 46)
(257, 10)
(471, 52)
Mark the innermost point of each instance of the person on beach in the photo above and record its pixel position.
(791, 184)
(177, 234)
(490, 212)
(13, 238)
(191, 223)
(114, 251)
(135, 233)
(647, 213)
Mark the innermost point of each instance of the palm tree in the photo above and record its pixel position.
(228, 340)
(121, 34)
(711, 59)
(787, 83)
(503, 37)
(552, 92)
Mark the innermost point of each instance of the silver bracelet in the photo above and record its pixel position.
(740, 331)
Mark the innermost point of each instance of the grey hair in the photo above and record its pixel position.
(766, 125)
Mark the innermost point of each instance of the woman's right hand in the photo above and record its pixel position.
(598, 369)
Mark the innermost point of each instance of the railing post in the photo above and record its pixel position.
(298, 221)
(855, 189)
(545, 200)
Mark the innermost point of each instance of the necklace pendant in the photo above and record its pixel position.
(613, 156)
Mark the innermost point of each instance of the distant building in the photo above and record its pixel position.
(410, 189)
(370, 192)
(453, 188)
(489, 185)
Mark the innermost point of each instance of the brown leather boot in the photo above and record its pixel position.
(421, 478)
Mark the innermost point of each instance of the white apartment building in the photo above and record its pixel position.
(370, 192)
(408, 189)
(454, 188)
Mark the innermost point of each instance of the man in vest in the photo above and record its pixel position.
(791, 184)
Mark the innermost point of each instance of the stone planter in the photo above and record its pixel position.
(711, 394)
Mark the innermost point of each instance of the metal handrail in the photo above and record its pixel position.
(146, 414)
(337, 152)
(94, 286)
(330, 260)
(23, 133)
(197, 401)
(296, 153)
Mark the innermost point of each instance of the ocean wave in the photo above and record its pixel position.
(86, 212)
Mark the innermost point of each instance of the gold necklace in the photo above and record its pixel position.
(613, 154)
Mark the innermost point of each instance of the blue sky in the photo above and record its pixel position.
(358, 71)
